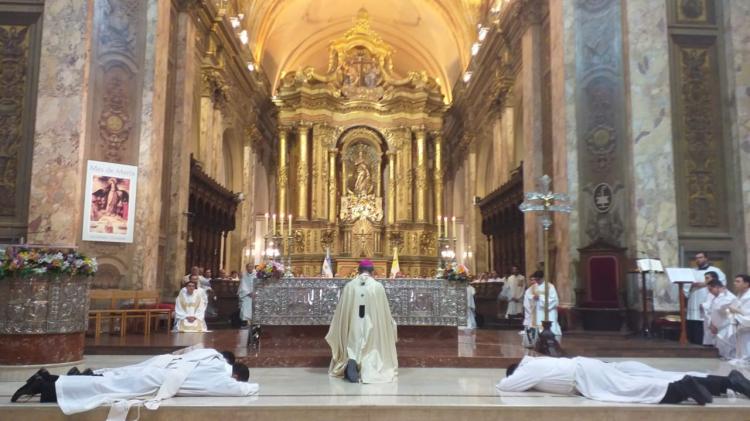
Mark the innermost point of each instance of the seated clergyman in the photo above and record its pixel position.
(190, 308)
(627, 381)
(203, 372)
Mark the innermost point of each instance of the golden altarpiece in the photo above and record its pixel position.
(360, 164)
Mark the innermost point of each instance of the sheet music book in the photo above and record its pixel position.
(682, 275)
(648, 265)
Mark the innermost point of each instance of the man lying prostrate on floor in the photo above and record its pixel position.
(627, 382)
(201, 372)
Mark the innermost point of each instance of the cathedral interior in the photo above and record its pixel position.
(376, 128)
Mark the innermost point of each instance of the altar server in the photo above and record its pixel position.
(720, 318)
(362, 335)
(697, 294)
(533, 303)
(626, 382)
(246, 293)
(190, 308)
(741, 312)
(199, 373)
(513, 291)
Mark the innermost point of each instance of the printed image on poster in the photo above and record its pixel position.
(109, 207)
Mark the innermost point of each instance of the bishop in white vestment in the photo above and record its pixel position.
(246, 292)
(190, 309)
(363, 333)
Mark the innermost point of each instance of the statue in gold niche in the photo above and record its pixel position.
(363, 181)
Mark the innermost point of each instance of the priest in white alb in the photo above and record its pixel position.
(203, 372)
(246, 293)
(698, 301)
(362, 335)
(740, 310)
(513, 291)
(190, 308)
(720, 318)
(534, 302)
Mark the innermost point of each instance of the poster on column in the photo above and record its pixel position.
(109, 202)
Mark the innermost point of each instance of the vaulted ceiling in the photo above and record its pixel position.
(430, 35)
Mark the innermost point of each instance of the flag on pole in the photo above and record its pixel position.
(395, 269)
(327, 266)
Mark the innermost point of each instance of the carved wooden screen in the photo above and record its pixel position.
(502, 220)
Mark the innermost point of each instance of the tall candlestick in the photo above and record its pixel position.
(274, 224)
(438, 221)
(266, 230)
(281, 231)
(445, 226)
(454, 227)
(290, 224)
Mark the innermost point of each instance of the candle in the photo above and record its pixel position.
(438, 221)
(274, 224)
(454, 227)
(290, 224)
(445, 226)
(281, 230)
(266, 231)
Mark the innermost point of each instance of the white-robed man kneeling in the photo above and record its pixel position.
(719, 317)
(362, 335)
(626, 382)
(740, 310)
(203, 372)
(190, 308)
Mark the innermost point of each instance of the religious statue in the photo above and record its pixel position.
(363, 181)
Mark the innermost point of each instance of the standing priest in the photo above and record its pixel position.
(362, 335)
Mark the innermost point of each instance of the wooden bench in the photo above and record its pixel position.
(124, 306)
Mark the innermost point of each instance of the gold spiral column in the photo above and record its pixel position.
(303, 169)
(421, 181)
(283, 172)
(391, 188)
(332, 185)
(438, 176)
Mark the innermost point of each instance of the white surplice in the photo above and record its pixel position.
(719, 316)
(513, 290)
(245, 293)
(471, 308)
(363, 330)
(203, 372)
(700, 297)
(742, 326)
(191, 305)
(627, 382)
(533, 314)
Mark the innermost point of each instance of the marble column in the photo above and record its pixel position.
(736, 35)
(303, 170)
(391, 188)
(282, 175)
(332, 185)
(421, 175)
(143, 270)
(531, 82)
(564, 141)
(437, 139)
(55, 207)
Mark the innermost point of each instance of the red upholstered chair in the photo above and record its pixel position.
(603, 270)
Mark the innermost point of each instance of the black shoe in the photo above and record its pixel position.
(32, 387)
(739, 383)
(88, 372)
(696, 391)
(74, 372)
(42, 372)
(352, 372)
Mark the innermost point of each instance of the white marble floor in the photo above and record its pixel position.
(311, 387)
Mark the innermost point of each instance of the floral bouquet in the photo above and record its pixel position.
(458, 274)
(271, 270)
(24, 261)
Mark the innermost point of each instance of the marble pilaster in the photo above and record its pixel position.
(55, 207)
(143, 270)
(737, 33)
(565, 153)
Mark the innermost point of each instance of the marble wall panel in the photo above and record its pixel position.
(653, 200)
(55, 203)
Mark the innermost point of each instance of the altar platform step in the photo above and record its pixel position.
(439, 394)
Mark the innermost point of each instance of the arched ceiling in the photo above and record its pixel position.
(430, 35)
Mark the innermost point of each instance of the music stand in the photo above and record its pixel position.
(681, 276)
(653, 266)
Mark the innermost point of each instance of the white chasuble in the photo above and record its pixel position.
(191, 305)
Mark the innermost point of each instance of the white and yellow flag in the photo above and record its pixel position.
(394, 266)
(327, 266)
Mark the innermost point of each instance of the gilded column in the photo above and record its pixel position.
(283, 171)
(421, 175)
(438, 175)
(332, 185)
(391, 188)
(303, 169)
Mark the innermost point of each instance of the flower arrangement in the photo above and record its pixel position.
(458, 274)
(24, 261)
(271, 270)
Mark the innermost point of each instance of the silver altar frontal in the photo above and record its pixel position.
(312, 301)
